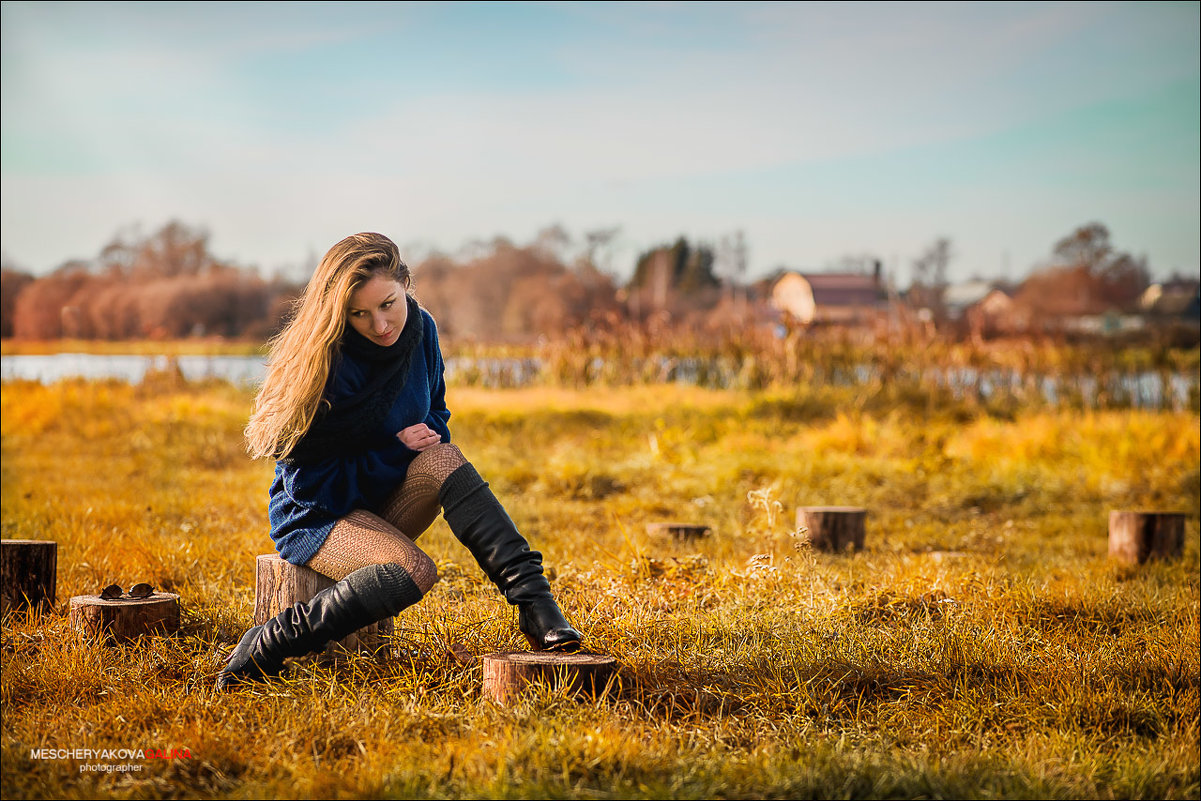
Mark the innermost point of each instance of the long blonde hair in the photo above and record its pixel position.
(301, 355)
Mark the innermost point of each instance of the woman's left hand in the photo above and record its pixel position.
(418, 437)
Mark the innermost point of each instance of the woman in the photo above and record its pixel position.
(353, 408)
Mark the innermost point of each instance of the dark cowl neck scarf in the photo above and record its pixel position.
(348, 427)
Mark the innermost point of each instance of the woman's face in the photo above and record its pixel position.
(378, 309)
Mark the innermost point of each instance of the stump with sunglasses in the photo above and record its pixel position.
(117, 616)
(279, 584)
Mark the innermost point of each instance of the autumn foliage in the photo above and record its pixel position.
(511, 292)
(168, 285)
(163, 286)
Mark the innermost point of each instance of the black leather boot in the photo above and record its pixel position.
(481, 523)
(365, 596)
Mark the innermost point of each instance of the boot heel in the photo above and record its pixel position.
(564, 647)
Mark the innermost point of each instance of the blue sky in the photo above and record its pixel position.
(819, 130)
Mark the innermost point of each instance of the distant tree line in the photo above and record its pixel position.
(505, 292)
(163, 286)
(167, 285)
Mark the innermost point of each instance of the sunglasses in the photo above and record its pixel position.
(113, 591)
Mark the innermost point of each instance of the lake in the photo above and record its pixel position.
(1137, 389)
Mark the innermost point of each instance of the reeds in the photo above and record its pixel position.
(998, 377)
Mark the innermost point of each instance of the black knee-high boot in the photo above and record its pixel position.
(367, 595)
(481, 523)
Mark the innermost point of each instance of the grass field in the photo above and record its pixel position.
(981, 646)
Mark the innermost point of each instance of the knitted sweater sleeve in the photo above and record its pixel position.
(439, 416)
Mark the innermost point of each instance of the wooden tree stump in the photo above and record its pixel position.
(508, 673)
(124, 619)
(28, 575)
(1135, 537)
(833, 528)
(680, 531)
(279, 584)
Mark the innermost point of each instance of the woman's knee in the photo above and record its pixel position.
(438, 461)
(424, 573)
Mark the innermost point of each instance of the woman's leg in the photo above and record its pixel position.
(415, 504)
(379, 572)
(441, 476)
(362, 538)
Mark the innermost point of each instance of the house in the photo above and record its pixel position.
(1175, 299)
(840, 298)
(958, 298)
(995, 314)
(982, 308)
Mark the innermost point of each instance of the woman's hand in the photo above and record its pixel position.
(418, 437)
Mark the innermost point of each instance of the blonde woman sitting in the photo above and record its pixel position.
(353, 408)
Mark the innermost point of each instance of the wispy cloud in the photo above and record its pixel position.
(464, 119)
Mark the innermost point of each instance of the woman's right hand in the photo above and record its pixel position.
(418, 437)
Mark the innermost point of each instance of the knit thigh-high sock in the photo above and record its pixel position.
(360, 539)
(480, 522)
(415, 504)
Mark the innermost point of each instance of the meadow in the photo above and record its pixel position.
(981, 646)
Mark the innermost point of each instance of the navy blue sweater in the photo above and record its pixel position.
(307, 499)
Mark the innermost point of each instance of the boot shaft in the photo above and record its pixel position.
(367, 595)
(478, 520)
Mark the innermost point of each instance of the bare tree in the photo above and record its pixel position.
(599, 253)
(555, 241)
(930, 277)
(1118, 278)
(731, 260)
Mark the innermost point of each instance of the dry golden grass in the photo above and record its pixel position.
(981, 646)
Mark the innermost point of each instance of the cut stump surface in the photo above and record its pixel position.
(508, 673)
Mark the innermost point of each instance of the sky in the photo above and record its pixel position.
(819, 131)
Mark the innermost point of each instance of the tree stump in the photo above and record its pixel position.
(508, 673)
(124, 619)
(1135, 537)
(833, 528)
(279, 584)
(28, 575)
(681, 531)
